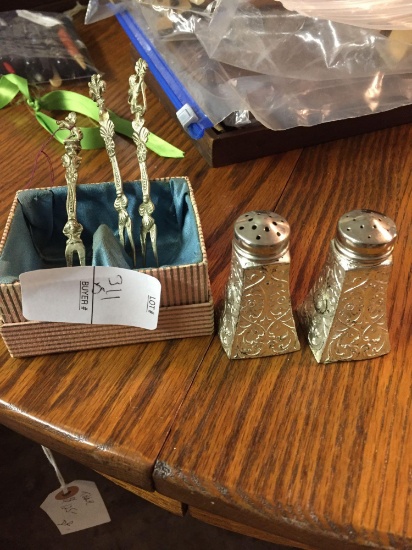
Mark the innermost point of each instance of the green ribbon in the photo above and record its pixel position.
(12, 84)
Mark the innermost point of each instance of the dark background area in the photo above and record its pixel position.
(27, 478)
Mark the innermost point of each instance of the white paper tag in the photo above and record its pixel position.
(91, 295)
(39, 18)
(82, 507)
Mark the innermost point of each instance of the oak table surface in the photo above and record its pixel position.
(280, 447)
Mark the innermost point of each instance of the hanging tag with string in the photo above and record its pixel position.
(74, 506)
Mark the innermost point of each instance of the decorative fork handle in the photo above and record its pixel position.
(97, 87)
(71, 162)
(140, 136)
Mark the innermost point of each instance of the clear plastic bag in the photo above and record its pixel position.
(274, 41)
(285, 69)
(176, 20)
(373, 14)
(168, 19)
(42, 47)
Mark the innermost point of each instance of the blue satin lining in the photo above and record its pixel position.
(35, 239)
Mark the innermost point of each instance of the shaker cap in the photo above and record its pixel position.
(366, 235)
(261, 234)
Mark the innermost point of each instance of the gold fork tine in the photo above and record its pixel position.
(140, 135)
(97, 87)
(71, 162)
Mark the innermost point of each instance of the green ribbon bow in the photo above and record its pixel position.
(12, 84)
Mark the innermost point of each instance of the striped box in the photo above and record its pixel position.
(186, 307)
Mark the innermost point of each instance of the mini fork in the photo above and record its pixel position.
(97, 87)
(140, 135)
(71, 162)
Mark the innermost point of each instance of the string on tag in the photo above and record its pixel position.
(50, 458)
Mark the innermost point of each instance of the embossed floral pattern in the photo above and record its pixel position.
(345, 312)
(360, 328)
(263, 323)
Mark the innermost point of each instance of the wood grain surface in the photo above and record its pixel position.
(318, 455)
(243, 529)
(174, 506)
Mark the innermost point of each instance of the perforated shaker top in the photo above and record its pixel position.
(365, 234)
(261, 235)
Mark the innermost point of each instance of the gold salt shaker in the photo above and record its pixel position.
(257, 318)
(344, 314)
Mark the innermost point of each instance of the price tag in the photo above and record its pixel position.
(91, 295)
(80, 508)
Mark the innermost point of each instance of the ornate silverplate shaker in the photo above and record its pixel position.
(344, 314)
(257, 318)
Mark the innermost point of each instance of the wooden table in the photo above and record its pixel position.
(315, 456)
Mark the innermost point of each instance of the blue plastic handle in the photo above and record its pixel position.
(171, 85)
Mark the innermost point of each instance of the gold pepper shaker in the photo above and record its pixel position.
(344, 314)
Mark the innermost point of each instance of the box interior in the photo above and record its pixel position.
(35, 239)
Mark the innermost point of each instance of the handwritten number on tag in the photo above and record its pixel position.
(110, 291)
